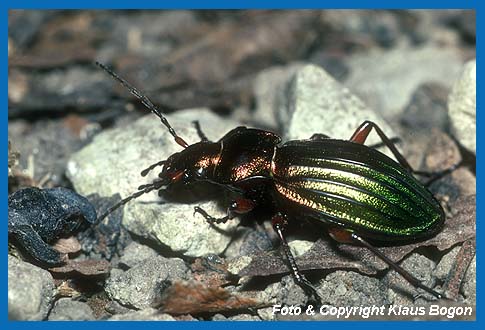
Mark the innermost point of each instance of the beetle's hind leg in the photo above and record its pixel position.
(346, 236)
(361, 134)
(279, 222)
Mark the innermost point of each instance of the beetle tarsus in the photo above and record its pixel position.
(319, 136)
(434, 176)
(210, 219)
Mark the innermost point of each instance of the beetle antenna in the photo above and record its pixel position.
(141, 191)
(146, 102)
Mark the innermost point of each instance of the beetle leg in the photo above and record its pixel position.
(319, 136)
(362, 132)
(394, 140)
(238, 206)
(279, 222)
(201, 134)
(404, 273)
(433, 176)
(33, 244)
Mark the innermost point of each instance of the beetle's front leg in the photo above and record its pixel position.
(279, 222)
(237, 206)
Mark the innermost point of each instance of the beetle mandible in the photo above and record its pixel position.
(360, 193)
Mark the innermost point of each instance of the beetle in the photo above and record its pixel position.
(361, 194)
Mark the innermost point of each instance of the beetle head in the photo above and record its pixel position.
(197, 162)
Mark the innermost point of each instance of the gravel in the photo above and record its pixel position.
(140, 286)
(66, 309)
(462, 107)
(30, 291)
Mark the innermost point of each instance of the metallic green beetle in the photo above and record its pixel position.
(358, 191)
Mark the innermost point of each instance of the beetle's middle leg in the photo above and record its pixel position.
(279, 222)
(361, 134)
(347, 236)
(237, 206)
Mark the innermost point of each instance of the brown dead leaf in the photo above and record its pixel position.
(67, 245)
(196, 298)
(84, 268)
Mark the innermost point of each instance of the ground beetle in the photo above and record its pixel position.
(360, 193)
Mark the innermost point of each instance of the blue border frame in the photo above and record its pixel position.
(217, 4)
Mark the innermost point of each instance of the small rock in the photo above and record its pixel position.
(122, 153)
(462, 107)
(285, 292)
(136, 253)
(300, 247)
(343, 288)
(243, 317)
(113, 307)
(427, 108)
(316, 103)
(148, 314)
(444, 267)
(248, 241)
(67, 309)
(30, 291)
(140, 286)
(235, 265)
(386, 80)
(266, 314)
(269, 90)
(219, 317)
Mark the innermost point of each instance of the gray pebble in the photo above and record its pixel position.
(285, 292)
(243, 317)
(140, 286)
(269, 91)
(148, 314)
(316, 103)
(66, 309)
(446, 264)
(135, 253)
(30, 291)
(386, 80)
(462, 107)
(470, 283)
(346, 288)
